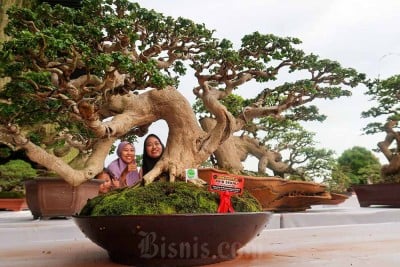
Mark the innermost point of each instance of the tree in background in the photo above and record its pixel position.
(359, 165)
(338, 181)
(281, 146)
(110, 69)
(386, 93)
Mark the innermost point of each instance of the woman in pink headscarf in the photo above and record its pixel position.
(124, 168)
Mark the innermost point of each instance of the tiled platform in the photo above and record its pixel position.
(328, 236)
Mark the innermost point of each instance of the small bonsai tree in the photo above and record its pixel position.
(12, 176)
(110, 69)
(386, 94)
(360, 166)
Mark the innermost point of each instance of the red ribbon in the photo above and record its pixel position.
(225, 204)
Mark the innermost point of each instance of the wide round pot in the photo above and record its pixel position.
(173, 240)
(378, 194)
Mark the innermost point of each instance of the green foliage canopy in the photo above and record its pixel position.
(360, 165)
(13, 173)
(386, 94)
(66, 65)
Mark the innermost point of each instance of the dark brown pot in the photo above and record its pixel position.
(173, 240)
(54, 197)
(378, 194)
(13, 204)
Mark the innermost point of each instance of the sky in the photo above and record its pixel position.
(359, 34)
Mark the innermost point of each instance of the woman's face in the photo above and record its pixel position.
(128, 154)
(153, 147)
(107, 185)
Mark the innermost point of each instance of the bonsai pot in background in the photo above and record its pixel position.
(12, 201)
(12, 177)
(387, 194)
(277, 194)
(54, 197)
(174, 239)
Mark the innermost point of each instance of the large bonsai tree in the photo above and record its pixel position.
(386, 96)
(110, 69)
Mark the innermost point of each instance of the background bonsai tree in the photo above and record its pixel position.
(110, 69)
(360, 166)
(282, 146)
(386, 95)
(12, 176)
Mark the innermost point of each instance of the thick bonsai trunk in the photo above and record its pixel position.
(236, 149)
(228, 156)
(73, 176)
(187, 145)
(391, 172)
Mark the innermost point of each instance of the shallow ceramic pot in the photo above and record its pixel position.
(378, 194)
(173, 240)
(277, 194)
(13, 204)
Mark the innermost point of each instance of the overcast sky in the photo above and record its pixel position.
(361, 34)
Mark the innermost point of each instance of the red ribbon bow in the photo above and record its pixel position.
(225, 204)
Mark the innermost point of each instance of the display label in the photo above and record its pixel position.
(226, 183)
(226, 186)
(191, 174)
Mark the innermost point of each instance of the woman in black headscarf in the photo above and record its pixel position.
(153, 149)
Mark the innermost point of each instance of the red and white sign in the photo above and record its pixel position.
(226, 186)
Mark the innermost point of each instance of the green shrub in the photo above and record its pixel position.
(11, 194)
(164, 198)
(12, 175)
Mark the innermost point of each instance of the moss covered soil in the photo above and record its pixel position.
(164, 198)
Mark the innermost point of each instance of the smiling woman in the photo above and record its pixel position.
(124, 168)
(153, 149)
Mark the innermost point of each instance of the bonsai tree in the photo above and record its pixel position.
(12, 175)
(386, 95)
(110, 69)
(359, 165)
(286, 149)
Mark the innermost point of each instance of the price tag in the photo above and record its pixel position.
(226, 186)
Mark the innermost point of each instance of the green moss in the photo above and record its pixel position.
(164, 198)
(245, 202)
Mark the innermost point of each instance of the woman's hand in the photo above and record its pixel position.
(131, 167)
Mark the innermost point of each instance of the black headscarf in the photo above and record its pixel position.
(148, 162)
